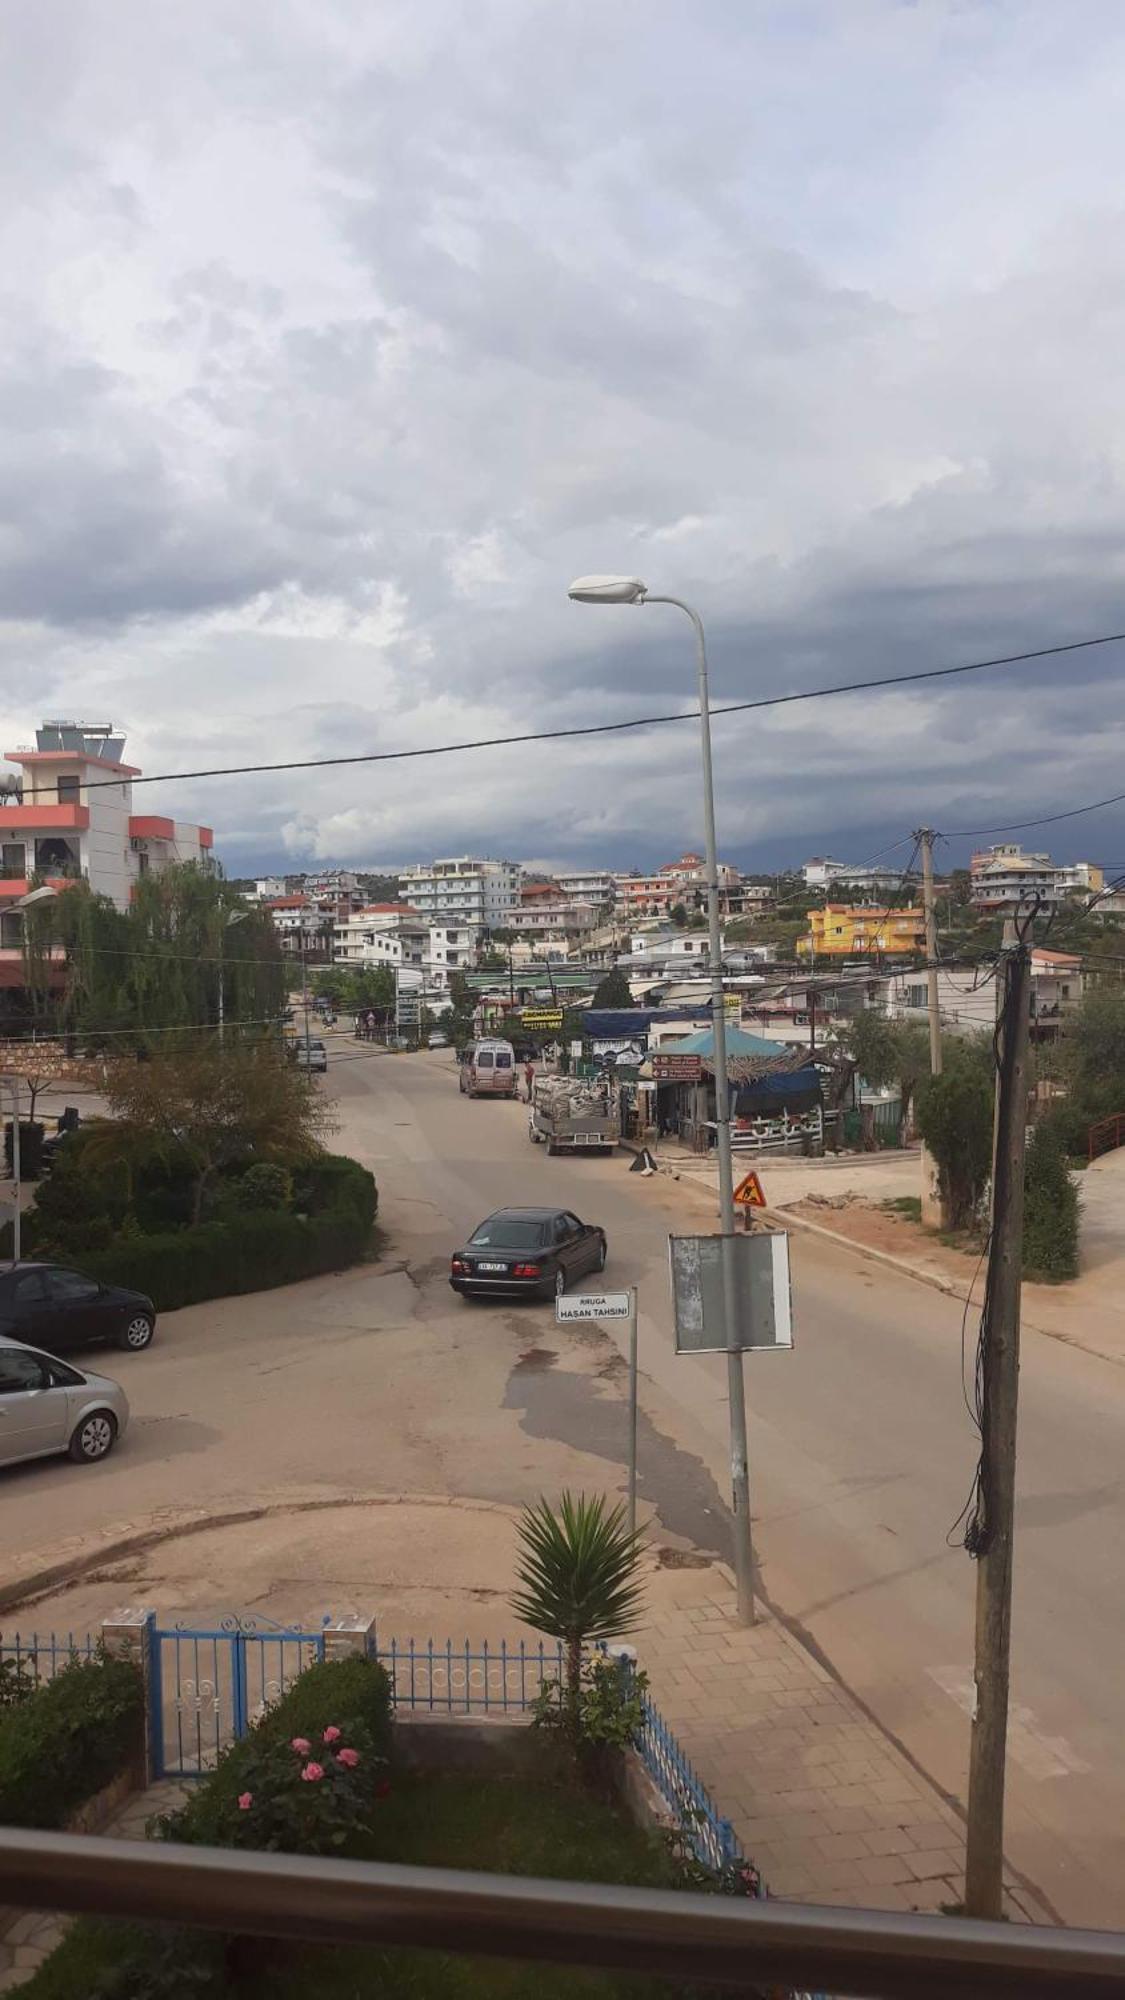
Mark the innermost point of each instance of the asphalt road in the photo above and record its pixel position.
(862, 1454)
(379, 1380)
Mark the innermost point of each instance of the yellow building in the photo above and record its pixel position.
(864, 930)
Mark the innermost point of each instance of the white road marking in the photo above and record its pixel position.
(1041, 1756)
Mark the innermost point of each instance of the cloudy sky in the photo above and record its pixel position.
(339, 337)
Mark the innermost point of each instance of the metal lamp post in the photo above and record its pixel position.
(630, 590)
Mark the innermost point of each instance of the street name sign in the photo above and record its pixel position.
(594, 1305)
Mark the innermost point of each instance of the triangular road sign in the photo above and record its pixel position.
(748, 1193)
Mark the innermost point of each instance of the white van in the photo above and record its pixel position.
(489, 1070)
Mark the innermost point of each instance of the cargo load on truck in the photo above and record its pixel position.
(571, 1115)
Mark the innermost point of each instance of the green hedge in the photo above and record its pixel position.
(60, 1746)
(334, 1691)
(336, 1205)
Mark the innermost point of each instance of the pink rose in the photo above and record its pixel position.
(312, 1772)
(332, 1734)
(245, 1801)
(348, 1757)
(301, 1745)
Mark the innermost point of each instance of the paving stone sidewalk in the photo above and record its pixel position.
(823, 1802)
(34, 1936)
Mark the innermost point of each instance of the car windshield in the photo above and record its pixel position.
(513, 1231)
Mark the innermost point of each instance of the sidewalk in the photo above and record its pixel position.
(823, 1801)
(841, 1196)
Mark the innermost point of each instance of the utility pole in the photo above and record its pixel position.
(925, 839)
(1000, 1334)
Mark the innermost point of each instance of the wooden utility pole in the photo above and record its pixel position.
(925, 839)
(1000, 1334)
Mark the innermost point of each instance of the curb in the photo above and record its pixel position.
(84, 1564)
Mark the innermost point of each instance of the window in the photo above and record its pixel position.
(1065, 990)
(503, 1059)
(71, 1289)
(69, 791)
(20, 1373)
(142, 862)
(13, 861)
(484, 1060)
(30, 1290)
(513, 1233)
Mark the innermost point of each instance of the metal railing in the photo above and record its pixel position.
(1105, 1135)
(33, 1658)
(726, 1940)
(463, 1680)
(713, 1838)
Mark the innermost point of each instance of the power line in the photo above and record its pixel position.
(614, 728)
(1023, 825)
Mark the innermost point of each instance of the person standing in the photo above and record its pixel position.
(529, 1078)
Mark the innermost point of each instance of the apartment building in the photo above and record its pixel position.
(1004, 879)
(821, 872)
(381, 934)
(66, 815)
(479, 892)
(967, 997)
(302, 929)
(595, 886)
(547, 917)
(452, 948)
(679, 881)
(864, 930)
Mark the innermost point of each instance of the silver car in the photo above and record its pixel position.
(47, 1406)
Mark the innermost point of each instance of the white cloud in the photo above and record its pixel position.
(338, 339)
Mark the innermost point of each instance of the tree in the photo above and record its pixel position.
(1050, 1209)
(212, 1103)
(169, 961)
(579, 1577)
(955, 1118)
(886, 1052)
(612, 990)
(679, 916)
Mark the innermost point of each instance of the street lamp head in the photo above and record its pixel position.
(608, 590)
(43, 895)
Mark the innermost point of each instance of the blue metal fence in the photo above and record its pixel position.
(36, 1657)
(463, 1680)
(712, 1837)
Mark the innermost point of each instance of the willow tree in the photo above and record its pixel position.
(187, 949)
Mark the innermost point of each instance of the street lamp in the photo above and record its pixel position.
(630, 590)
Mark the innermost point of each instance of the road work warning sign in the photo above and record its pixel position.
(748, 1193)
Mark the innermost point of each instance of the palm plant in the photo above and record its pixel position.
(579, 1579)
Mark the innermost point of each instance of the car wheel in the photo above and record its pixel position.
(603, 1251)
(94, 1437)
(560, 1282)
(136, 1334)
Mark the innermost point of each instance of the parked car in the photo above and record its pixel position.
(533, 1252)
(437, 1039)
(62, 1311)
(47, 1406)
(310, 1055)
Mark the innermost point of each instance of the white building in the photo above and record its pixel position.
(821, 871)
(451, 948)
(552, 920)
(1004, 878)
(381, 934)
(677, 948)
(68, 816)
(967, 997)
(269, 887)
(480, 892)
(595, 886)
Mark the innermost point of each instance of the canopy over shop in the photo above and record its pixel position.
(777, 1101)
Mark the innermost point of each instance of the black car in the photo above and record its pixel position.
(531, 1251)
(61, 1311)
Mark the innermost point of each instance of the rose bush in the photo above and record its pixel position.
(302, 1796)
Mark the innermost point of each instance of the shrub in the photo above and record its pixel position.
(262, 1186)
(954, 1116)
(351, 1695)
(59, 1747)
(1050, 1209)
(261, 1249)
(332, 1182)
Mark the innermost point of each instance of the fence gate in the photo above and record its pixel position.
(209, 1684)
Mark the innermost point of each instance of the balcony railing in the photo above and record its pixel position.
(729, 1941)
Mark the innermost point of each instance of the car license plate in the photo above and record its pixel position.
(492, 1267)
